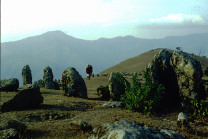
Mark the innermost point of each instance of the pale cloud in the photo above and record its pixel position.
(40, 14)
(108, 25)
(31, 17)
(134, 21)
(179, 18)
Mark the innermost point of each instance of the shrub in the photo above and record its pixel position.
(206, 71)
(149, 97)
(200, 109)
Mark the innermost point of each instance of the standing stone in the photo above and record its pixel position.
(26, 75)
(73, 83)
(9, 84)
(189, 74)
(117, 85)
(181, 76)
(48, 78)
(163, 72)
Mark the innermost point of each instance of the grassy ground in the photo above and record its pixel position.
(52, 119)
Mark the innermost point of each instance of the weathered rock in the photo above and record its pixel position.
(73, 83)
(183, 121)
(10, 133)
(170, 134)
(181, 76)
(117, 85)
(112, 104)
(35, 85)
(26, 75)
(104, 91)
(163, 72)
(38, 84)
(189, 73)
(82, 125)
(26, 86)
(12, 129)
(125, 130)
(25, 99)
(9, 84)
(48, 78)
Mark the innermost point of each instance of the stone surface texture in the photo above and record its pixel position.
(73, 83)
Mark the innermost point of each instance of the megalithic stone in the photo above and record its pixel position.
(48, 78)
(26, 75)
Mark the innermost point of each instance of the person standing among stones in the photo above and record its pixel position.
(89, 71)
(26, 75)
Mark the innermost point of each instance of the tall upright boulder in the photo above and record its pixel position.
(26, 75)
(163, 72)
(117, 85)
(189, 73)
(180, 74)
(48, 78)
(73, 83)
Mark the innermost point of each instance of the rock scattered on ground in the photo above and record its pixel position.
(183, 121)
(25, 99)
(26, 86)
(125, 130)
(9, 84)
(112, 104)
(11, 129)
(38, 84)
(81, 125)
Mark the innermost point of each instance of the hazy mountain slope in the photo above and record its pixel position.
(59, 51)
(140, 62)
(135, 64)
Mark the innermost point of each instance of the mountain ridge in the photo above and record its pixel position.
(59, 51)
(127, 36)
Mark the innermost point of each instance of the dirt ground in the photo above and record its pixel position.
(52, 119)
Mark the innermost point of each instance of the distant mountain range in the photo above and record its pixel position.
(59, 51)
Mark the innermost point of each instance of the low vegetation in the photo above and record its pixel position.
(200, 109)
(148, 97)
(206, 72)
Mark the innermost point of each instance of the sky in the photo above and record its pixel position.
(94, 19)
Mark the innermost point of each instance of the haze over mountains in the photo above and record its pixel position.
(59, 51)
